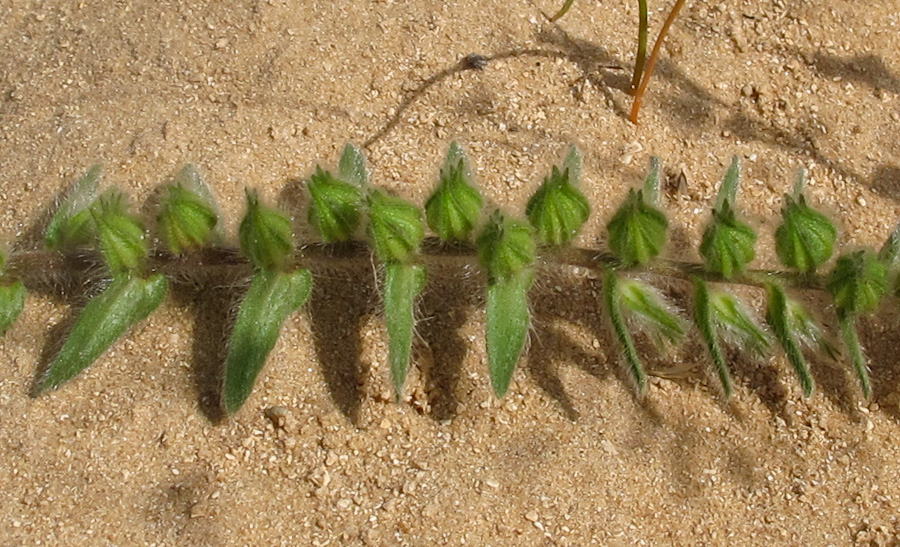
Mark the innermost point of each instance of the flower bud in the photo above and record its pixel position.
(187, 215)
(121, 236)
(455, 207)
(727, 244)
(558, 209)
(637, 232)
(858, 282)
(805, 239)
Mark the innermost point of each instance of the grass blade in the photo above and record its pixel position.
(402, 284)
(272, 297)
(508, 320)
(125, 302)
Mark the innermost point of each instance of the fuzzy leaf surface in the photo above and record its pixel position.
(858, 282)
(637, 232)
(558, 209)
(705, 319)
(334, 209)
(728, 244)
(12, 302)
(396, 228)
(612, 305)
(402, 285)
(187, 212)
(454, 208)
(805, 239)
(266, 235)
(120, 234)
(508, 319)
(272, 297)
(505, 247)
(647, 307)
(127, 300)
(792, 326)
(72, 224)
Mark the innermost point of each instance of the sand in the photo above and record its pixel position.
(257, 93)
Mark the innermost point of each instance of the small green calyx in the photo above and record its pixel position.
(335, 207)
(455, 207)
(505, 247)
(120, 235)
(728, 244)
(187, 215)
(637, 232)
(72, 225)
(558, 209)
(266, 236)
(396, 228)
(805, 239)
(858, 282)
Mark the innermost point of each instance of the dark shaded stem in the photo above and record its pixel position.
(641, 58)
(651, 63)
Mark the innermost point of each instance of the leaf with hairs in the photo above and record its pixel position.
(705, 320)
(12, 302)
(508, 320)
(396, 229)
(127, 300)
(612, 305)
(272, 297)
(454, 208)
(72, 224)
(352, 167)
(792, 326)
(402, 285)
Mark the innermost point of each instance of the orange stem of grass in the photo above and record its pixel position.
(651, 63)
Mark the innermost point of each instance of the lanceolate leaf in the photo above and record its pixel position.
(127, 300)
(703, 316)
(402, 285)
(612, 303)
(508, 320)
(272, 297)
(646, 307)
(736, 326)
(12, 301)
(792, 325)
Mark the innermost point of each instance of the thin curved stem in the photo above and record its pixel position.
(562, 11)
(641, 58)
(651, 63)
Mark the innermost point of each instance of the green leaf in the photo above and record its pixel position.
(890, 251)
(266, 235)
(72, 225)
(335, 207)
(508, 320)
(805, 239)
(127, 300)
(651, 183)
(505, 247)
(454, 208)
(649, 310)
(857, 357)
(858, 282)
(396, 229)
(187, 212)
(612, 303)
(736, 326)
(572, 165)
(731, 182)
(637, 232)
(402, 284)
(727, 245)
(120, 234)
(705, 320)
(12, 301)
(792, 326)
(352, 167)
(273, 296)
(558, 209)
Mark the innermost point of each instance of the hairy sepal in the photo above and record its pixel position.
(266, 235)
(335, 206)
(127, 300)
(728, 244)
(558, 209)
(805, 239)
(72, 224)
(120, 235)
(857, 283)
(402, 285)
(454, 209)
(505, 247)
(352, 167)
(508, 320)
(272, 297)
(637, 232)
(396, 228)
(188, 214)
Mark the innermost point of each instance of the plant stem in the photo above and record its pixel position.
(641, 58)
(562, 11)
(651, 63)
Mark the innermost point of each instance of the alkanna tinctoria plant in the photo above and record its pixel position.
(343, 206)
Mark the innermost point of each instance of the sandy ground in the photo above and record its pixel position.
(257, 93)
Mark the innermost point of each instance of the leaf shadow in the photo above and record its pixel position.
(339, 305)
(870, 70)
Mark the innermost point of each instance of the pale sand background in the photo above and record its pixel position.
(257, 93)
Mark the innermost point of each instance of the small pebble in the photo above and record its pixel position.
(492, 483)
(277, 415)
(531, 516)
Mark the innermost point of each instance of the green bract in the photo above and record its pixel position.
(272, 297)
(558, 209)
(266, 235)
(858, 282)
(805, 239)
(126, 301)
(187, 213)
(455, 207)
(335, 207)
(396, 229)
(637, 232)
(727, 245)
(72, 224)
(505, 247)
(120, 235)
